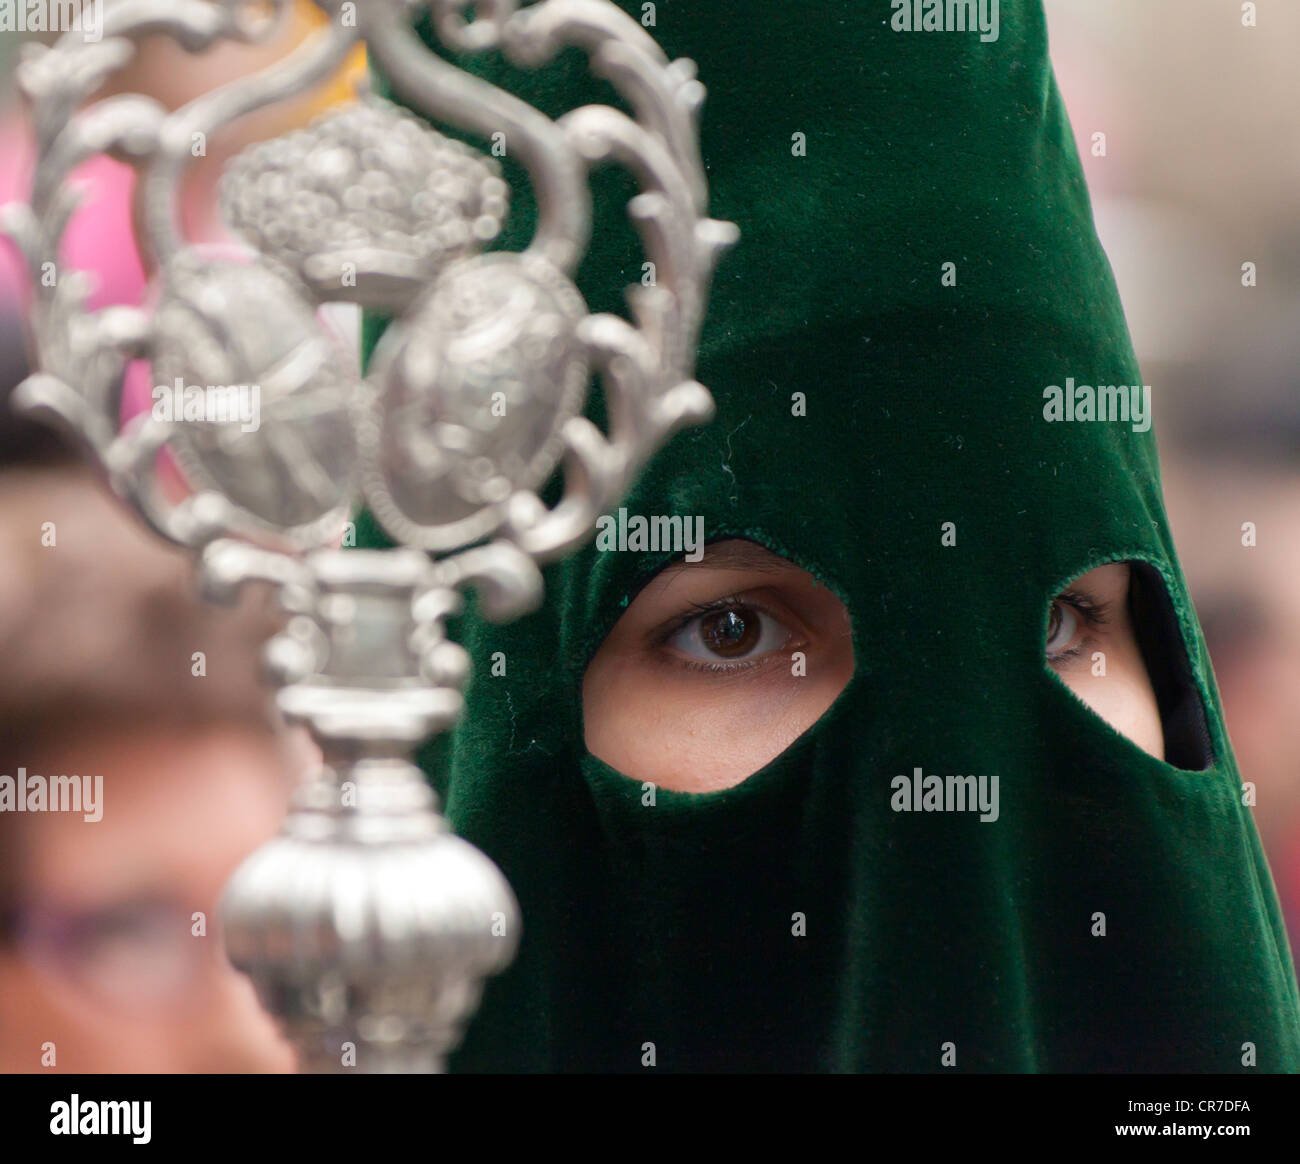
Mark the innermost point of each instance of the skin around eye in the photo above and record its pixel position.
(1092, 648)
(715, 668)
(698, 685)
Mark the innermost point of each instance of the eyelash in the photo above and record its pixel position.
(696, 610)
(1094, 614)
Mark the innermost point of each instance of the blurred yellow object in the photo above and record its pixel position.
(342, 87)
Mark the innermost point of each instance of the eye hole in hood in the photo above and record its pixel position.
(1182, 713)
(1113, 638)
(715, 669)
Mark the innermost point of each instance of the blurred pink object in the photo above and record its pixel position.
(98, 237)
(99, 240)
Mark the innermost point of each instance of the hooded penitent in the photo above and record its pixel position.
(924, 399)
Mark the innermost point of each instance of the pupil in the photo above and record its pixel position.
(730, 632)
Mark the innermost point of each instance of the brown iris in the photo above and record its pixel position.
(731, 632)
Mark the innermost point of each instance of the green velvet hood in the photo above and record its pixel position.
(674, 925)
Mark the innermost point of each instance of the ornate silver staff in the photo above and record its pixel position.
(366, 926)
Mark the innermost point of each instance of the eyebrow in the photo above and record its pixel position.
(733, 554)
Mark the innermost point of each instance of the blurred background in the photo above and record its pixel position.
(1199, 175)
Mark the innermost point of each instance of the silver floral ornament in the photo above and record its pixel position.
(367, 191)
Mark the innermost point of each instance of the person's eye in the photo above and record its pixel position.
(1062, 627)
(727, 635)
(137, 925)
(1071, 619)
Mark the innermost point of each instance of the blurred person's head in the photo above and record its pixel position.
(114, 672)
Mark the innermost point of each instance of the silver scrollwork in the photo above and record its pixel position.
(366, 922)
